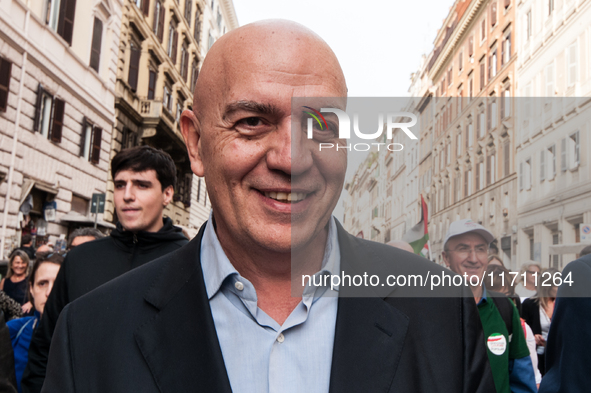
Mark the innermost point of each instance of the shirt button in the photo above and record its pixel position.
(239, 286)
(280, 338)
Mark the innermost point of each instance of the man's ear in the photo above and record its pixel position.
(168, 194)
(191, 130)
(445, 256)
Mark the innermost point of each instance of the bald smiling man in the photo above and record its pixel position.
(222, 314)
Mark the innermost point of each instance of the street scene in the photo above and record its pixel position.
(202, 182)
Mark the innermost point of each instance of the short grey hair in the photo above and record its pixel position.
(85, 232)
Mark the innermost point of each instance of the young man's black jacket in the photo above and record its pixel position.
(87, 267)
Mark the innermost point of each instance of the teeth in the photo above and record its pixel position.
(287, 197)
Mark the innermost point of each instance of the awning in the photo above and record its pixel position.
(73, 216)
(573, 248)
(28, 185)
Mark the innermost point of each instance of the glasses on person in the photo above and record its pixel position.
(480, 251)
(532, 271)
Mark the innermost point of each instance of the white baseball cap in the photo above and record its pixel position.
(461, 227)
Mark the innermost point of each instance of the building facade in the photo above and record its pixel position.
(163, 44)
(554, 122)
(58, 65)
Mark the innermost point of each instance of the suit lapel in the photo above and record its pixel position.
(369, 333)
(180, 343)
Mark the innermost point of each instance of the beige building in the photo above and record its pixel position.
(470, 116)
(58, 65)
(163, 43)
(554, 123)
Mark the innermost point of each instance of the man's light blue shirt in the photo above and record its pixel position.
(260, 355)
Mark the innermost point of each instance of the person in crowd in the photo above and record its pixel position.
(528, 287)
(401, 244)
(15, 282)
(83, 235)
(466, 253)
(224, 313)
(538, 312)
(567, 349)
(585, 251)
(494, 259)
(11, 308)
(44, 249)
(21, 330)
(7, 375)
(27, 246)
(144, 179)
(500, 279)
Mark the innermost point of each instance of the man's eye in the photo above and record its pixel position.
(251, 121)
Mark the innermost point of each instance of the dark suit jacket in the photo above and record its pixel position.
(530, 311)
(568, 350)
(151, 330)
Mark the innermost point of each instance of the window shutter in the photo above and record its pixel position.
(83, 136)
(146, 7)
(195, 74)
(197, 31)
(493, 18)
(489, 115)
(563, 155)
(542, 165)
(65, 26)
(38, 107)
(188, 11)
(95, 51)
(198, 190)
(95, 154)
(175, 40)
(466, 174)
(488, 170)
(151, 85)
(5, 70)
(58, 120)
(482, 70)
(520, 176)
(134, 65)
(161, 22)
(478, 176)
(471, 46)
(507, 157)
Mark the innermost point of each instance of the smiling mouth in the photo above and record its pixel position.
(286, 197)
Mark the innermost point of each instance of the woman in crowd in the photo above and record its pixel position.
(527, 288)
(21, 330)
(15, 282)
(537, 312)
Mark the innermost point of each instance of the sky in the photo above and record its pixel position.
(379, 43)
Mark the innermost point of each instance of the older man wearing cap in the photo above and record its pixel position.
(465, 251)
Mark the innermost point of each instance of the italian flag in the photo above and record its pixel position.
(418, 235)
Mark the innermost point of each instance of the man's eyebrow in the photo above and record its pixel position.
(250, 106)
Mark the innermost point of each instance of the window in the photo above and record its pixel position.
(550, 7)
(95, 50)
(528, 26)
(184, 61)
(572, 64)
(507, 157)
(563, 155)
(49, 115)
(542, 165)
(134, 65)
(197, 27)
(151, 84)
(128, 138)
(467, 183)
(482, 72)
(194, 73)
(158, 25)
(550, 80)
(480, 176)
(179, 110)
(470, 135)
(492, 113)
(490, 169)
(448, 154)
(461, 61)
(188, 4)
(143, 5)
(471, 46)
(219, 19)
(450, 75)
(506, 49)
(5, 72)
(167, 97)
(210, 41)
(480, 126)
(551, 162)
(60, 17)
(507, 3)
(492, 64)
(470, 88)
(483, 30)
(525, 175)
(459, 143)
(506, 103)
(493, 14)
(173, 38)
(574, 150)
(90, 142)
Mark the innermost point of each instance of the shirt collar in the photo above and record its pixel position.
(217, 267)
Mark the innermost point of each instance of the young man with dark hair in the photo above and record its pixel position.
(144, 180)
(27, 246)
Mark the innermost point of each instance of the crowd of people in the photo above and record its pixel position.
(145, 310)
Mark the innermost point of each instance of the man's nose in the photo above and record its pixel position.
(288, 152)
(129, 194)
